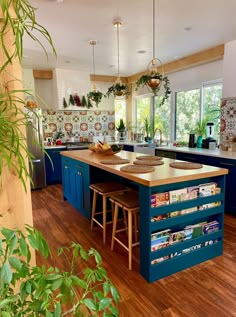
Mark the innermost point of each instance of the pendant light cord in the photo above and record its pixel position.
(153, 33)
(118, 48)
(93, 64)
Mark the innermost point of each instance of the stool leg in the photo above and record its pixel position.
(125, 220)
(93, 208)
(114, 226)
(130, 238)
(104, 213)
(135, 227)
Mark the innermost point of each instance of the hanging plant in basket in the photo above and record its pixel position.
(118, 90)
(154, 81)
(95, 97)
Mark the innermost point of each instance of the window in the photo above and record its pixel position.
(143, 110)
(187, 113)
(162, 117)
(120, 110)
(196, 104)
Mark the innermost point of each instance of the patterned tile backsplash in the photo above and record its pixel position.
(84, 123)
(228, 124)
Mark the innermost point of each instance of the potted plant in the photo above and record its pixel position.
(118, 90)
(122, 130)
(95, 97)
(200, 131)
(148, 130)
(154, 81)
(48, 291)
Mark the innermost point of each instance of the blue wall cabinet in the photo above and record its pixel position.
(75, 180)
(53, 173)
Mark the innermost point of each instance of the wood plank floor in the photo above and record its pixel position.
(206, 290)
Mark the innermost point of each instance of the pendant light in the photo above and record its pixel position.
(119, 90)
(94, 96)
(154, 77)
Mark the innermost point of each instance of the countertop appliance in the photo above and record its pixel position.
(209, 142)
(34, 134)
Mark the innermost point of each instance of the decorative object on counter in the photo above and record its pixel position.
(148, 130)
(149, 157)
(137, 169)
(119, 90)
(115, 161)
(94, 96)
(65, 104)
(77, 100)
(71, 100)
(200, 131)
(148, 162)
(122, 130)
(84, 102)
(105, 149)
(154, 78)
(185, 165)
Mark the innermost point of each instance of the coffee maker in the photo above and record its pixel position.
(209, 142)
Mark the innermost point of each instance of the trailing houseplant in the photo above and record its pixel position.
(95, 96)
(118, 89)
(154, 81)
(48, 291)
(18, 19)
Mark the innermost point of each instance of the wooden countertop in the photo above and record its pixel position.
(163, 174)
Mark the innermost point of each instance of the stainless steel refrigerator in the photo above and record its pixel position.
(35, 145)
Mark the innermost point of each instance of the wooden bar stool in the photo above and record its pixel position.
(106, 190)
(129, 202)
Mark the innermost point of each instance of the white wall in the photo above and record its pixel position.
(229, 70)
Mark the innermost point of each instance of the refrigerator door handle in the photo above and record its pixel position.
(36, 161)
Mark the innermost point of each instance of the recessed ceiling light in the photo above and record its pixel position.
(187, 29)
(67, 62)
(112, 66)
(141, 51)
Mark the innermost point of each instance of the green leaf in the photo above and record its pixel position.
(48, 314)
(104, 303)
(56, 284)
(52, 277)
(28, 287)
(105, 314)
(84, 254)
(15, 263)
(114, 311)
(13, 244)
(33, 241)
(106, 288)
(7, 233)
(90, 303)
(5, 314)
(98, 258)
(35, 305)
(57, 312)
(115, 294)
(6, 273)
(8, 300)
(77, 281)
(23, 247)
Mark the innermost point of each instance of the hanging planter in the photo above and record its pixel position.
(154, 81)
(118, 90)
(95, 97)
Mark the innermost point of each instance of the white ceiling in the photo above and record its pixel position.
(72, 23)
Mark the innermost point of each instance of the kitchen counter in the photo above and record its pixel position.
(48, 147)
(163, 174)
(82, 168)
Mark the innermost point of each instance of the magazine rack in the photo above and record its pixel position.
(153, 272)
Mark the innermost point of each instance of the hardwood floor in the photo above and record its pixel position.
(206, 290)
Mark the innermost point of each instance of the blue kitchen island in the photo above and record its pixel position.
(82, 168)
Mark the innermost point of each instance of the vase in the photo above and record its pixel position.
(199, 141)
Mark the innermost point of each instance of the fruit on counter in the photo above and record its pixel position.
(115, 147)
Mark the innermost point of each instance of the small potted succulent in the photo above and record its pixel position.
(121, 129)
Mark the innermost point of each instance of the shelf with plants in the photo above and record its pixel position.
(169, 265)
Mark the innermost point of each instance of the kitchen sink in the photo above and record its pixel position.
(145, 149)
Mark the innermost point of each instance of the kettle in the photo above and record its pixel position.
(191, 142)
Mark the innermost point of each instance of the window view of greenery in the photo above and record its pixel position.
(162, 117)
(120, 111)
(187, 113)
(143, 110)
(212, 95)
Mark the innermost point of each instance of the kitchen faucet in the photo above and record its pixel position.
(160, 132)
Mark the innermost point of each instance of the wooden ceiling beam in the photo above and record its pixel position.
(203, 57)
(42, 74)
(107, 79)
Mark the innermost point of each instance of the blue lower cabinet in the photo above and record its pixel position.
(53, 167)
(129, 148)
(75, 180)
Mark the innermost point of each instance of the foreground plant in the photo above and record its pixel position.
(27, 290)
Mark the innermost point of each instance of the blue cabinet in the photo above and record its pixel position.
(129, 148)
(75, 180)
(53, 167)
(230, 197)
